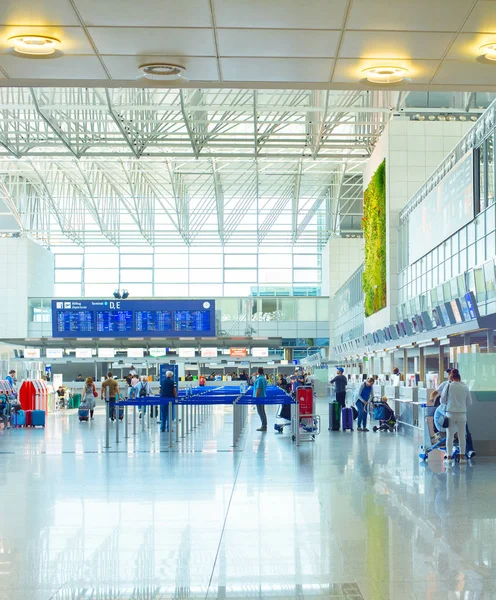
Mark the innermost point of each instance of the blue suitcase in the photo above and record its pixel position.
(83, 412)
(347, 419)
(18, 419)
(38, 418)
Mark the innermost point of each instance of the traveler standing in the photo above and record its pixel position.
(113, 389)
(444, 383)
(90, 395)
(167, 390)
(11, 378)
(141, 390)
(456, 398)
(340, 382)
(259, 392)
(364, 394)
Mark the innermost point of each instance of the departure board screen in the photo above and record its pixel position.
(153, 320)
(114, 321)
(74, 320)
(133, 318)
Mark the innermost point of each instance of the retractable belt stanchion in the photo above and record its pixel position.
(182, 421)
(107, 412)
(117, 420)
(134, 420)
(169, 408)
(149, 413)
(176, 423)
(125, 424)
(143, 417)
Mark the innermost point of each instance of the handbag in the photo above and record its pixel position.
(446, 419)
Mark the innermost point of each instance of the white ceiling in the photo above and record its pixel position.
(253, 43)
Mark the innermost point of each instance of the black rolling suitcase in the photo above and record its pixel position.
(334, 416)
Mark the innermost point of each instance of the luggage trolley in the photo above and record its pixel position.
(433, 440)
(305, 424)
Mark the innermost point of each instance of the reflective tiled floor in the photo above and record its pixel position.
(350, 516)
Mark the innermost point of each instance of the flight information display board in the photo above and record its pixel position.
(133, 318)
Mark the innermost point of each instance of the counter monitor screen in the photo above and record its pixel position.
(133, 318)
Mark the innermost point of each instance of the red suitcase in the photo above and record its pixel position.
(347, 418)
(29, 418)
(304, 395)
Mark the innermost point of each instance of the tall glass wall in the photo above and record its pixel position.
(184, 272)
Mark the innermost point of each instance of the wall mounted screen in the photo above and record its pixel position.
(133, 318)
(447, 208)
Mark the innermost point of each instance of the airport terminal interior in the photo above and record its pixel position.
(248, 299)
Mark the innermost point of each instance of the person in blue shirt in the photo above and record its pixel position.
(364, 397)
(260, 391)
(11, 379)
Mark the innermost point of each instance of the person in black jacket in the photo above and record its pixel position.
(340, 382)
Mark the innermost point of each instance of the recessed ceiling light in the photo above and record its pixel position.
(385, 74)
(162, 71)
(489, 51)
(36, 45)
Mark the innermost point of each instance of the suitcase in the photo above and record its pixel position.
(29, 418)
(334, 416)
(304, 395)
(18, 419)
(37, 418)
(83, 413)
(347, 418)
(355, 413)
(285, 412)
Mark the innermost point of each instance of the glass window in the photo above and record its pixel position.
(306, 276)
(96, 261)
(463, 260)
(480, 285)
(101, 276)
(136, 276)
(67, 275)
(240, 276)
(306, 309)
(490, 280)
(308, 261)
(237, 261)
(172, 261)
(482, 179)
(205, 261)
(281, 261)
(71, 261)
(447, 292)
(139, 290)
(205, 275)
(99, 290)
(471, 255)
(67, 290)
(141, 261)
(170, 275)
(287, 309)
(237, 289)
(481, 251)
(172, 290)
(322, 309)
(275, 276)
(205, 289)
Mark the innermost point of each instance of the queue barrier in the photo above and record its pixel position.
(195, 405)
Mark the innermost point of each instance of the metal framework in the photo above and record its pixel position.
(187, 166)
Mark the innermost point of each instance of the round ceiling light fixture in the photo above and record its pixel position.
(162, 71)
(489, 51)
(35, 45)
(385, 75)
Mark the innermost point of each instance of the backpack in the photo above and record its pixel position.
(143, 393)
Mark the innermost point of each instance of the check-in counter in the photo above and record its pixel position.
(424, 394)
(378, 390)
(406, 408)
(392, 391)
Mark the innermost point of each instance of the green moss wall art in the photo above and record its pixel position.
(374, 233)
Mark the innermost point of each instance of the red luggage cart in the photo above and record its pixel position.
(306, 424)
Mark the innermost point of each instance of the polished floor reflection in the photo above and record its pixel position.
(351, 516)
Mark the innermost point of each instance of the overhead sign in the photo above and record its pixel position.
(158, 352)
(31, 353)
(186, 353)
(209, 352)
(133, 318)
(54, 353)
(260, 352)
(83, 353)
(238, 352)
(135, 352)
(106, 352)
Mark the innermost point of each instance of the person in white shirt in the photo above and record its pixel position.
(444, 383)
(456, 397)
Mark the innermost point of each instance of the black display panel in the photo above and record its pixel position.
(133, 318)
